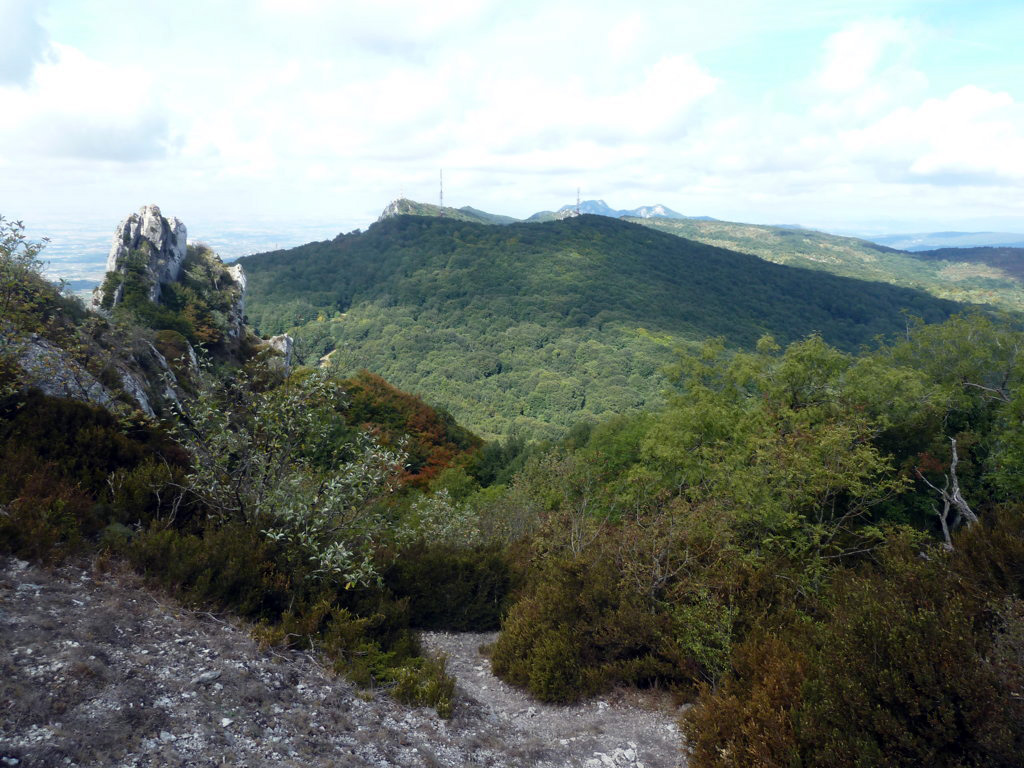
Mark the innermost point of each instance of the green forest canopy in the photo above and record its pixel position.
(529, 328)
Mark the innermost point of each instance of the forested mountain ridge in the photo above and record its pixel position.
(535, 326)
(974, 275)
(1002, 258)
(990, 274)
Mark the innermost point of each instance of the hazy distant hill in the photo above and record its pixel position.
(487, 218)
(951, 273)
(532, 327)
(601, 208)
(927, 241)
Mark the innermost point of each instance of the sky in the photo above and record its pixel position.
(864, 116)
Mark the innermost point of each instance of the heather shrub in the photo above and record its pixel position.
(44, 523)
(424, 683)
(229, 567)
(745, 721)
(577, 632)
(895, 677)
(906, 664)
(448, 588)
(989, 556)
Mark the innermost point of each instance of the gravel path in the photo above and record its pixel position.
(626, 729)
(96, 670)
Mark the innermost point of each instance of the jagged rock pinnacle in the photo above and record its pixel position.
(165, 239)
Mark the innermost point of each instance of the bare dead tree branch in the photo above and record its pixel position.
(952, 499)
(996, 393)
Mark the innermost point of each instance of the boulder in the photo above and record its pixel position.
(283, 345)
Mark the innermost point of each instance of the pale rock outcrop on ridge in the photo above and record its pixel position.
(165, 239)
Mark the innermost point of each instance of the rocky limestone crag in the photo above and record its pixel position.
(283, 345)
(50, 369)
(397, 207)
(144, 379)
(164, 239)
(163, 242)
(236, 317)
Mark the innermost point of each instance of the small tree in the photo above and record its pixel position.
(21, 296)
(282, 459)
(20, 274)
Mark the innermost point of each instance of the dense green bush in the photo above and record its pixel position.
(459, 590)
(229, 567)
(896, 672)
(70, 469)
(577, 632)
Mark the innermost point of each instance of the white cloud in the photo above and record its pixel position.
(386, 25)
(858, 51)
(625, 35)
(319, 105)
(868, 69)
(971, 136)
(77, 107)
(23, 41)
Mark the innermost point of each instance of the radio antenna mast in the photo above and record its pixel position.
(440, 203)
(577, 201)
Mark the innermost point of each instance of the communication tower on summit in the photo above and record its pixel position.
(440, 201)
(577, 201)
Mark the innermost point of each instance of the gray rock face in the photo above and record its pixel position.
(50, 369)
(236, 317)
(394, 208)
(165, 240)
(283, 344)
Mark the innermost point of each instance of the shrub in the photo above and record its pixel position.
(555, 673)
(900, 669)
(577, 632)
(746, 720)
(45, 522)
(229, 567)
(894, 679)
(424, 683)
(459, 590)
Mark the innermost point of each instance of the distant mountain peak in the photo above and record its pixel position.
(601, 208)
(405, 207)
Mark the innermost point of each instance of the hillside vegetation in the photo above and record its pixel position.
(822, 549)
(973, 275)
(247, 487)
(1006, 259)
(530, 328)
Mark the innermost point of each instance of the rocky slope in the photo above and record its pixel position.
(97, 671)
(159, 277)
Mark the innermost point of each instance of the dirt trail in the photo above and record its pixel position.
(96, 670)
(625, 729)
